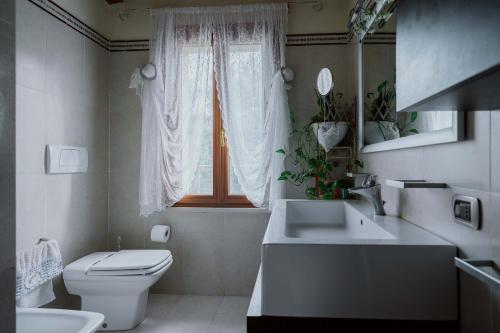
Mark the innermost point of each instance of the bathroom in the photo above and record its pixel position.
(263, 238)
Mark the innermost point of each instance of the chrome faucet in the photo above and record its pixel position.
(371, 191)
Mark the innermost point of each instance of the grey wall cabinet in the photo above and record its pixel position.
(448, 55)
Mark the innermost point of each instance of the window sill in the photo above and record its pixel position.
(218, 209)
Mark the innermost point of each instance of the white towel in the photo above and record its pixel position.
(35, 269)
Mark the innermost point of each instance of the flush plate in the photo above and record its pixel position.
(466, 211)
(65, 159)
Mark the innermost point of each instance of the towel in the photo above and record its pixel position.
(35, 269)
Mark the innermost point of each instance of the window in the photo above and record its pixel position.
(214, 183)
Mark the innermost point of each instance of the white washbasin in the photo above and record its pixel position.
(327, 220)
(34, 320)
(332, 259)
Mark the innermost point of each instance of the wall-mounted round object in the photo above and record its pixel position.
(148, 71)
(324, 83)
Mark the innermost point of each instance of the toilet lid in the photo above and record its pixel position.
(127, 272)
(131, 260)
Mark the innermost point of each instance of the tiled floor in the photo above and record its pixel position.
(194, 314)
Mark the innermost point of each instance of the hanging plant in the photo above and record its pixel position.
(309, 162)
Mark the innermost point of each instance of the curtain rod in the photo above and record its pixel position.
(317, 5)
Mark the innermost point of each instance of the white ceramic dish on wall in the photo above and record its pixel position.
(330, 133)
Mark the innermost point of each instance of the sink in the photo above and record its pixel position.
(34, 320)
(333, 259)
(327, 221)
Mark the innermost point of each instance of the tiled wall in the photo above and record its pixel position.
(62, 98)
(470, 168)
(7, 165)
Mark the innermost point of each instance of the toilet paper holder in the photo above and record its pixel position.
(160, 233)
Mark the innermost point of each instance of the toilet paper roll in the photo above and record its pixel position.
(160, 233)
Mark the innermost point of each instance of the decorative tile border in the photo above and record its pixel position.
(380, 38)
(62, 15)
(129, 45)
(340, 38)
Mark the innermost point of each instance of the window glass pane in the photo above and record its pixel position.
(197, 119)
(247, 106)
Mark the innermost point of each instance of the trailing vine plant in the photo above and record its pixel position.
(310, 163)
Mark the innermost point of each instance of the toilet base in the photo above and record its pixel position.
(121, 312)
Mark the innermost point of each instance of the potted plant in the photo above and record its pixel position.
(309, 162)
(328, 132)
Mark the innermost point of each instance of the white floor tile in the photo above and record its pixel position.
(194, 314)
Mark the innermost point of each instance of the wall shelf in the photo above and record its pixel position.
(406, 183)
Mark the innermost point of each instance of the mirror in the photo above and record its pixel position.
(324, 83)
(148, 71)
(382, 127)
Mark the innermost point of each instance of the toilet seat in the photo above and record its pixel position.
(131, 259)
(131, 262)
(125, 263)
(122, 272)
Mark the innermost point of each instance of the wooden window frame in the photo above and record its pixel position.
(221, 172)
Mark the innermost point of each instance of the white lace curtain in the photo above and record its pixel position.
(245, 45)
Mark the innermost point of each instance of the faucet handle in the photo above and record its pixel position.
(370, 181)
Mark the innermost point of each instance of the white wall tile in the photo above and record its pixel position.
(31, 32)
(437, 217)
(30, 210)
(61, 99)
(495, 151)
(30, 131)
(495, 227)
(126, 128)
(95, 75)
(464, 164)
(64, 66)
(395, 164)
(122, 65)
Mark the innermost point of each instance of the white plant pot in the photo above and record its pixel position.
(378, 131)
(330, 133)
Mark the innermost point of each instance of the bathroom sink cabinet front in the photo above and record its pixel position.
(332, 259)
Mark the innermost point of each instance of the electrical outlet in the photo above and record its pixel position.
(466, 211)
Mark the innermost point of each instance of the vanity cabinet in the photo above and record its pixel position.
(448, 55)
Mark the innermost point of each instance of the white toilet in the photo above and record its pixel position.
(116, 284)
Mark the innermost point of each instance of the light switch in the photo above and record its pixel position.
(466, 211)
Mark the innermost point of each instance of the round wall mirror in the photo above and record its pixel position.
(148, 71)
(324, 84)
